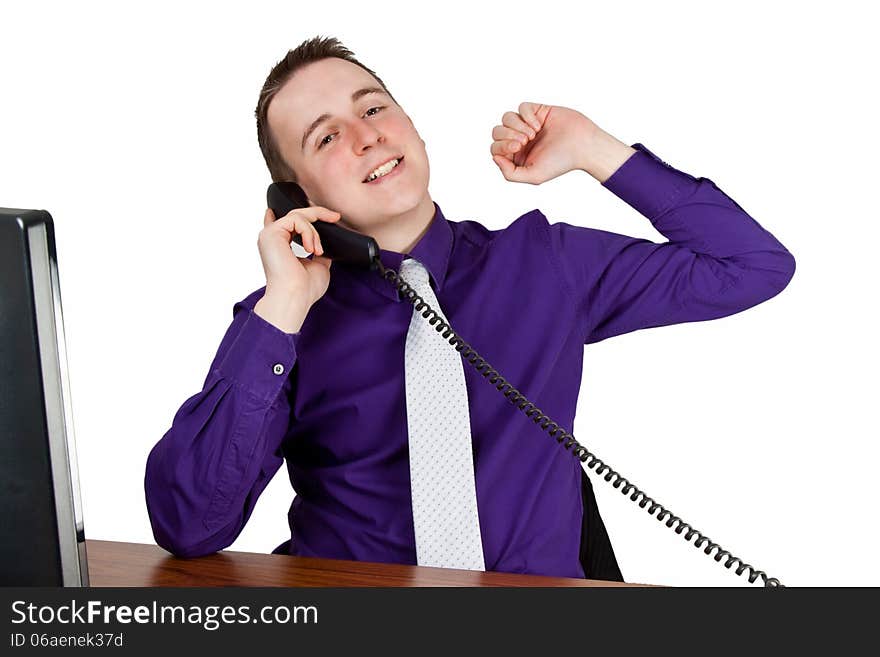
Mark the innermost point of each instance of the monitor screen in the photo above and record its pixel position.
(42, 541)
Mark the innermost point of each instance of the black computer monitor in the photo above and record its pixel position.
(42, 541)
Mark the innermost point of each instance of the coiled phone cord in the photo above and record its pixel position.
(565, 438)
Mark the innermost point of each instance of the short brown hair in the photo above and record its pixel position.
(311, 50)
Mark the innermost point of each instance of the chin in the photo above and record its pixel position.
(400, 201)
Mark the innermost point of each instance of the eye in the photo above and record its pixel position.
(324, 140)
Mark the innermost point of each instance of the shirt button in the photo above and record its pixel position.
(278, 368)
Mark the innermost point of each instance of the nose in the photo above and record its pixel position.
(366, 136)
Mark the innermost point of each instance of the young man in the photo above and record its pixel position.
(312, 369)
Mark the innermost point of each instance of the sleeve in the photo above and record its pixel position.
(204, 476)
(718, 260)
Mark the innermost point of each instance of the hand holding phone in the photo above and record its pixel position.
(344, 246)
(292, 284)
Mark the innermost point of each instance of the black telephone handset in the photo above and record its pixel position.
(340, 244)
(353, 248)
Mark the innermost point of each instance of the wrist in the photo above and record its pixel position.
(602, 154)
(284, 309)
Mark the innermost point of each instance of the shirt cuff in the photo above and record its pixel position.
(647, 183)
(261, 358)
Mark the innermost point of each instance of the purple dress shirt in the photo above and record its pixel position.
(330, 399)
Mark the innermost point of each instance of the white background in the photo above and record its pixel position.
(134, 126)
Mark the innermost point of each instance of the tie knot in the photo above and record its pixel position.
(414, 273)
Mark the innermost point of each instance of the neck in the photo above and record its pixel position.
(401, 232)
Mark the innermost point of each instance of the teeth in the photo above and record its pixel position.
(382, 170)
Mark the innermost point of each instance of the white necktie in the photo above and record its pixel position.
(441, 461)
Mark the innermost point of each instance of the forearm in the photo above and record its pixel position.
(204, 476)
(602, 154)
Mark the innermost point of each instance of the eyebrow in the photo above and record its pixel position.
(354, 97)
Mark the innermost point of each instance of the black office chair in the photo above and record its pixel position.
(597, 555)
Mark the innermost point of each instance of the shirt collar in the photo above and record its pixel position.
(432, 250)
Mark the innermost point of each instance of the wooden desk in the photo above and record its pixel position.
(138, 564)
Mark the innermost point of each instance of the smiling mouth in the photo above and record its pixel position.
(399, 162)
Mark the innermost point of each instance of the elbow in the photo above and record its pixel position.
(749, 280)
(174, 514)
(182, 550)
(762, 275)
(783, 272)
(171, 537)
(179, 539)
(168, 540)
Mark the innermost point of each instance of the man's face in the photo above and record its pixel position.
(358, 136)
